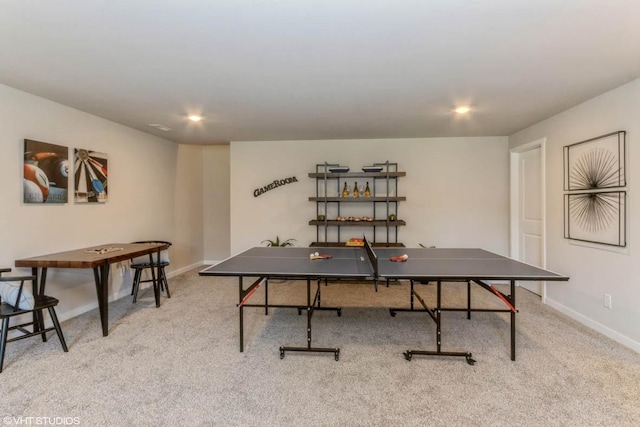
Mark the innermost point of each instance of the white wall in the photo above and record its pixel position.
(593, 270)
(456, 189)
(188, 245)
(143, 199)
(215, 196)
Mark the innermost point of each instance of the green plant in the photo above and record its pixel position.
(277, 242)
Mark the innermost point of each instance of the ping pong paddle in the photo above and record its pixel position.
(320, 256)
(401, 258)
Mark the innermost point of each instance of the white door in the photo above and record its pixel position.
(528, 242)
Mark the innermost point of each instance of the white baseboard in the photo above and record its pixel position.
(124, 292)
(185, 269)
(610, 333)
(77, 311)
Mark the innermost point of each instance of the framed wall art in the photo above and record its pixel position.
(596, 217)
(595, 199)
(45, 176)
(90, 176)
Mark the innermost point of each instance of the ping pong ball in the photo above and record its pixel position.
(317, 253)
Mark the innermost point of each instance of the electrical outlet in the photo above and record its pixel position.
(607, 300)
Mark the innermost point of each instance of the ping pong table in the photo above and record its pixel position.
(439, 265)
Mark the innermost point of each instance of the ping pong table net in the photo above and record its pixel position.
(373, 258)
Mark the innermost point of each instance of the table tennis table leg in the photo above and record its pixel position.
(310, 308)
(438, 320)
(243, 297)
(468, 299)
(318, 302)
(513, 320)
(412, 308)
(245, 294)
(393, 311)
(241, 313)
(266, 297)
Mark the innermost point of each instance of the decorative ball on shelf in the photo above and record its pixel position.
(392, 217)
(321, 217)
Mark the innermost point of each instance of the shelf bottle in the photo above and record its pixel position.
(345, 190)
(355, 190)
(367, 191)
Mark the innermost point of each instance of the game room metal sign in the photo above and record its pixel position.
(276, 183)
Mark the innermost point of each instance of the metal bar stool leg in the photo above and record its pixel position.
(56, 324)
(166, 283)
(136, 284)
(3, 340)
(40, 323)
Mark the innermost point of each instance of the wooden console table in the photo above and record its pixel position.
(99, 258)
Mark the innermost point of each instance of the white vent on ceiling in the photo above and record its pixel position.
(161, 127)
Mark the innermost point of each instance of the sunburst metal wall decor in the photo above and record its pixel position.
(597, 168)
(595, 193)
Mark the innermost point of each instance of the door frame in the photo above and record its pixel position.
(514, 191)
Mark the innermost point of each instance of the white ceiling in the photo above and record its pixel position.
(325, 69)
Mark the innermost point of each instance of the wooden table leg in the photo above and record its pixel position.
(101, 277)
(38, 321)
(156, 279)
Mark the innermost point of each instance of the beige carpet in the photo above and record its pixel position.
(180, 365)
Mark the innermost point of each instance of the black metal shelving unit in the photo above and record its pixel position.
(384, 202)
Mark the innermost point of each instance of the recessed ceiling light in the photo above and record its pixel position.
(462, 110)
(195, 118)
